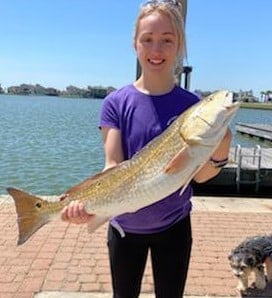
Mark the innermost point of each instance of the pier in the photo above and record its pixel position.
(248, 173)
(261, 131)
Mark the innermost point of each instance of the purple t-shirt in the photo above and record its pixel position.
(141, 117)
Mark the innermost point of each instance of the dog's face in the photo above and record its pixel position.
(241, 263)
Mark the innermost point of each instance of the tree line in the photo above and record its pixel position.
(70, 91)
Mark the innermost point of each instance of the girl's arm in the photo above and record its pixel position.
(209, 169)
(112, 146)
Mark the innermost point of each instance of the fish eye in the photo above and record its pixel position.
(39, 205)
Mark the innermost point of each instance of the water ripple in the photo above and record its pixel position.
(48, 144)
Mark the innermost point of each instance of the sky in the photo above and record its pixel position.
(57, 43)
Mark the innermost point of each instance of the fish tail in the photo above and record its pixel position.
(29, 213)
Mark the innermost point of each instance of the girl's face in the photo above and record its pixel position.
(157, 44)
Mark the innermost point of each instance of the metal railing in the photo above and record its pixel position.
(242, 165)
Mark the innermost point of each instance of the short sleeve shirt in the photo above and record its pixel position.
(140, 118)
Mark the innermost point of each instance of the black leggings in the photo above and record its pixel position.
(170, 254)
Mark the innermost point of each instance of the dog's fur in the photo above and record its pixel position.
(252, 255)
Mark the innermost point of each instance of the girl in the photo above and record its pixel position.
(130, 118)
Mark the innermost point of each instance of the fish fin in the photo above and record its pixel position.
(183, 188)
(179, 161)
(29, 215)
(190, 179)
(96, 222)
(188, 182)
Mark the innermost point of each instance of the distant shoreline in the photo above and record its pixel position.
(53, 96)
(246, 105)
(71, 91)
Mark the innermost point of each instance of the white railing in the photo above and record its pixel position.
(243, 160)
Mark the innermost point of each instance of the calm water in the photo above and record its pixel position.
(48, 144)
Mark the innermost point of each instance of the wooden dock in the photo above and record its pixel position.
(261, 131)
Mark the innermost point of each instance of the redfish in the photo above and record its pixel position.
(166, 164)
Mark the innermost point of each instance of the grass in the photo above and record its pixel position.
(256, 105)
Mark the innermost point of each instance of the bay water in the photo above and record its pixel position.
(48, 144)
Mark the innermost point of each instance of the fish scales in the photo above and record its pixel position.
(139, 178)
(133, 180)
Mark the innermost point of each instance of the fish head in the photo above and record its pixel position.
(209, 119)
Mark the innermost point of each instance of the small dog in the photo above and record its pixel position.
(252, 255)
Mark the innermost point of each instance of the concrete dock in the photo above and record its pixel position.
(63, 260)
(261, 131)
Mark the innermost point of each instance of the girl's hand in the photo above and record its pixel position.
(75, 213)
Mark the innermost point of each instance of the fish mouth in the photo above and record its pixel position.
(229, 97)
(229, 101)
(231, 108)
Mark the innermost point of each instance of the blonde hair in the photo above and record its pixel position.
(176, 13)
